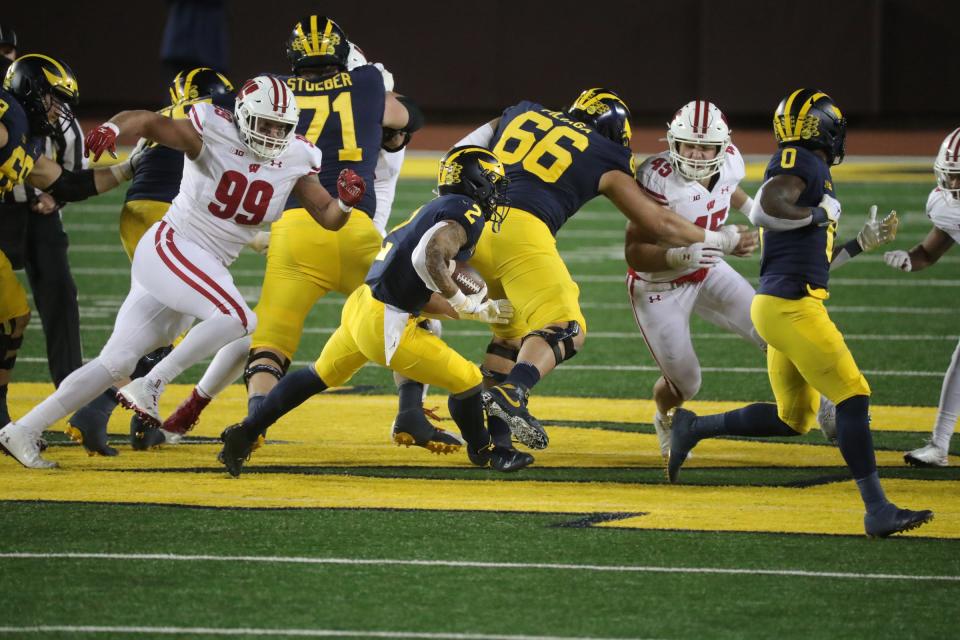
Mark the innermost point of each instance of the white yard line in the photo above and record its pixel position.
(466, 564)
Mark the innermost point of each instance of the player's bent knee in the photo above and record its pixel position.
(264, 361)
(469, 393)
(562, 340)
(687, 388)
(119, 362)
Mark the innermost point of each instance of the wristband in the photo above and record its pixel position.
(344, 207)
(747, 207)
(457, 299)
(713, 238)
(122, 171)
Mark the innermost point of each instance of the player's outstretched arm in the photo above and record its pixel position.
(176, 134)
(931, 248)
(482, 136)
(329, 212)
(73, 186)
(873, 234)
(643, 255)
(659, 223)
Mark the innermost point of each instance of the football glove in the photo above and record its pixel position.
(350, 189)
(260, 242)
(898, 260)
(103, 138)
(491, 312)
(696, 256)
(877, 232)
(831, 207)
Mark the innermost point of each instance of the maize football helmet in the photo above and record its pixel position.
(317, 41)
(809, 118)
(266, 113)
(478, 174)
(41, 83)
(603, 110)
(197, 84)
(701, 123)
(947, 167)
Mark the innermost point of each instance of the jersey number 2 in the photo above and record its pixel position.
(234, 192)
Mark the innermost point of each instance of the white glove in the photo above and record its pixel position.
(696, 256)
(260, 242)
(726, 239)
(124, 171)
(832, 206)
(387, 77)
(875, 233)
(898, 260)
(491, 312)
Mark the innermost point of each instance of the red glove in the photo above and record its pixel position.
(350, 187)
(103, 138)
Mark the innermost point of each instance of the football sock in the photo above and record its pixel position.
(77, 389)
(949, 408)
(4, 414)
(411, 395)
(106, 402)
(524, 375)
(226, 367)
(854, 437)
(872, 493)
(253, 402)
(293, 390)
(203, 340)
(758, 420)
(467, 412)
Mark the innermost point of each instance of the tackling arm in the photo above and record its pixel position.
(931, 248)
(482, 136)
(176, 134)
(322, 207)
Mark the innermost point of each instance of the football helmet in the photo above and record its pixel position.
(40, 82)
(199, 83)
(809, 118)
(317, 41)
(266, 113)
(698, 122)
(947, 165)
(477, 173)
(603, 110)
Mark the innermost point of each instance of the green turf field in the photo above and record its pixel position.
(333, 533)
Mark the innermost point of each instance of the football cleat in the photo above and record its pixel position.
(142, 398)
(24, 447)
(827, 419)
(662, 425)
(683, 438)
(184, 418)
(237, 448)
(92, 435)
(504, 459)
(509, 403)
(144, 436)
(411, 428)
(929, 455)
(891, 519)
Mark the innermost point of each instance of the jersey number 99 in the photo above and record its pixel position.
(235, 192)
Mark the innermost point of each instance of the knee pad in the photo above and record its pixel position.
(555, 336)
(492, 377)
(277, 369)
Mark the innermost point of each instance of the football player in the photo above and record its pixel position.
(806, 354)
(698, 177)
(241, 169)
(343, 113)
(556, 162)
(157, 171)
(943, 209)
(35, 102)
(380, 320)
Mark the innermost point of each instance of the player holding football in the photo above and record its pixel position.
(239, 172)
(556, 162)
(806, 353)
(943, 209)
(380, 320)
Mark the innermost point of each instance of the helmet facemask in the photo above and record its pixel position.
(947, 168)
(478, 174)
(698, 123)
(266, 116)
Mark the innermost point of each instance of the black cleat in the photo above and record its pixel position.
(237, 448)
(144, 436)
(891, 520)
(411, 428)
(88, 427)
(504, 459)
(683, 439)
(509, 403)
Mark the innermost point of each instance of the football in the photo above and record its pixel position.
(467, 278)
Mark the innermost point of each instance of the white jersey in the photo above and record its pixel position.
(690, 199)
(944, 212)
(227, 193)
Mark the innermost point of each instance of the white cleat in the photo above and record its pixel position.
(144, 399)
(171, 437)
(929, 455)
(827, 419)
(663, 425)
(24, 447)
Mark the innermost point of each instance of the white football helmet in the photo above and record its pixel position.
(262, 104)
(947, 164)
(698, 122)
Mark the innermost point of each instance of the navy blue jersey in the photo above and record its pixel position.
(554, 163)
(18, 156)
(796, 263)
(392, 277)
(342, 116)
